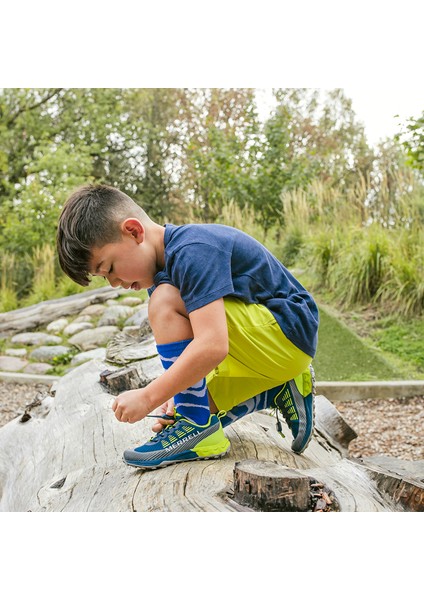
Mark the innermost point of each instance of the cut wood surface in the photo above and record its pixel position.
(68, 457)
(37, 315)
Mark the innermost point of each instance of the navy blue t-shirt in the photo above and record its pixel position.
(208, 262)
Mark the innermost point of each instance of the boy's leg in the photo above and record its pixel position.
(294, 400)
(196, 433)
(265, 367)
(259, 402)
(193, 402)
(173, 333)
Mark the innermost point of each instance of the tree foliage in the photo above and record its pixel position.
(413, 140)
(180, 152)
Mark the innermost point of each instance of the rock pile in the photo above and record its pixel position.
(115, 330)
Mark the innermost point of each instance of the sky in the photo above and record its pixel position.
(375, 108)
(361, 47)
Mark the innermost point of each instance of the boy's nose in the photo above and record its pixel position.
(114, 282)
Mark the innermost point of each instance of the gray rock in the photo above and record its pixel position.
(125, 348)
(74, 328)
(114, 314)
(38, 368)
(131, 301)
(132, 330)
(83, 319)
(16, 352)
(12, 363)
(93, 338)
(97, 353)
(57, 326)
(138, 318)
(94, 310)
(48, 353)
(35, 338)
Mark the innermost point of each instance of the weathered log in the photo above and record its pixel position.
(37, 315)
(401, 482)
(67, 456)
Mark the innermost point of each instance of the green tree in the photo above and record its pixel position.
(153, 147)
(220, 142)
(309, 136)
(412, 138)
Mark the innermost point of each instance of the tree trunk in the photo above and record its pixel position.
(65, 455)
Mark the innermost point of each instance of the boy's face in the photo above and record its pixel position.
(130, 263)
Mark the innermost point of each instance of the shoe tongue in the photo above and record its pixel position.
(178, 417)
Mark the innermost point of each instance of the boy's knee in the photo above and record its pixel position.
(164, 304)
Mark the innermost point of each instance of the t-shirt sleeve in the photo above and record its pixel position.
(202, 273)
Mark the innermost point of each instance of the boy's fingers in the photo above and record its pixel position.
(165, 422)
(160, 424)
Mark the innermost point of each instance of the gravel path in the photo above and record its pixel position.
(390, 426)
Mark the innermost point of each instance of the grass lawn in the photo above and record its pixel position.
(343, 356)
(362, 344)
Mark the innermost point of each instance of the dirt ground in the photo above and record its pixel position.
(390, 426)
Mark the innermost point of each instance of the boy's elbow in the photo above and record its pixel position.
(220, 351)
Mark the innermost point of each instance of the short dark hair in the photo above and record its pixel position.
(90, 218)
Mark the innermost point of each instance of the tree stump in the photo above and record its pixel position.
(266, 486)
(127, 378)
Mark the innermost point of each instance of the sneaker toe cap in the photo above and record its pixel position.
(132, 455)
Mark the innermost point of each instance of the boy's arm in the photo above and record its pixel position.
(208, 348)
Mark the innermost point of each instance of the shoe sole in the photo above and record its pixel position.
(166, 463)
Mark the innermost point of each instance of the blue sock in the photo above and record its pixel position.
(192, 403)
(258, 402)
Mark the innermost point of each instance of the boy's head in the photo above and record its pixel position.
(91, 218)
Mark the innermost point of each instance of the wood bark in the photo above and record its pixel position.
(115, 382)
(66, 455)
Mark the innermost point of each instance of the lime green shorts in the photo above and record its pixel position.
(260, 356)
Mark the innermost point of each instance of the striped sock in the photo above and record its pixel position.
(258, 402)
(193, 402)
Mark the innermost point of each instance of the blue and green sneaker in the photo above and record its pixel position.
(181, 441)
(295, 402)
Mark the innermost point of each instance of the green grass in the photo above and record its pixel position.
(395, 341)
(402, 339)
(343, 356)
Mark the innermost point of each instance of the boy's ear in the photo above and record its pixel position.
(134, 228)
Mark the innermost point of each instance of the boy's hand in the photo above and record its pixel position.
(167, 408)
(129, 406)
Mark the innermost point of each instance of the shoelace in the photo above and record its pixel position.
(276, 411)
(167, 429)
(176, 418)
(164, 416)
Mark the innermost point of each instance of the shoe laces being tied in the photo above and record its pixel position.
(167, 428)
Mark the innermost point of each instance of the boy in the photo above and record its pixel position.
(234, 329)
